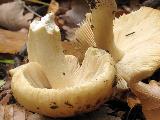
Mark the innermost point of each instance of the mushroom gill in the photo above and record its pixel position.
(56, 85)
(142, 57)
(135, 47)
(97, 29)
(138, 36)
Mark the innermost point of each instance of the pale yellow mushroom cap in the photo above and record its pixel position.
(138, 36)
(56, 85)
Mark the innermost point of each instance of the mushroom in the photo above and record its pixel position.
(54, 84)
(141, 56)
(135, 47)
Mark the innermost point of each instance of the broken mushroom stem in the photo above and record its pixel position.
(48, 46)
(102, 20)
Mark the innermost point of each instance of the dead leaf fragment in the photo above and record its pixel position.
(11, 42)
(53, 6)
(70, 49)
(76, 14)
(19, 113)
(11, 16)
(16, 112)
(8, 112)
(132, 101)
(5, 97)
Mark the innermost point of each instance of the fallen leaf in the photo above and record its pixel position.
(53, 6)
(8, 112)
(69, 15)
(76, 14)
(19, 113)
(12, 17)
(5, 97)
(1, 112)
(11, 42)
(31, 116)
(132, 100)
(69, 49)
(16, 112)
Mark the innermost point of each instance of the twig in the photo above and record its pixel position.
(39, 2)
(29, 9)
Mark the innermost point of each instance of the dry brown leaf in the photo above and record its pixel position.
(77, 13)
(11, 42)
(132, 100)
(53, 6)
(5, 97)
(16, 112)
(11, 16)
(31, 116)
(1, 112)
(8, 112)
(69, 49)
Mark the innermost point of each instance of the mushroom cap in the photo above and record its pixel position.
(56, 85)
(138, 36)
(89, 87)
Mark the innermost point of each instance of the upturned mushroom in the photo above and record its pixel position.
(142, 57)
(135, 47)
(54, 84)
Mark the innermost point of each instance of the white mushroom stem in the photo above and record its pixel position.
(102, 21)
(45, 48)
(97, 29)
